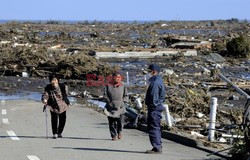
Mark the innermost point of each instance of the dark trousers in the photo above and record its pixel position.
(58, 128)
(154, 128)
(115, 125)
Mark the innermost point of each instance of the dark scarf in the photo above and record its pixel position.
(50, 88)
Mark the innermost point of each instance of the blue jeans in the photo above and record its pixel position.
(154, 128)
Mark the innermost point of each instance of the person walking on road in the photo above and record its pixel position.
(55, 98)
(154, 99)
(115, 95)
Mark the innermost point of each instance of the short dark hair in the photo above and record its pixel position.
(154, 67)
(52, 76)
(116, 73)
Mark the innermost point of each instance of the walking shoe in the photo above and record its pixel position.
(119, 136)
(59, 136)
(54, 136)
(114, 139)
(154, 151)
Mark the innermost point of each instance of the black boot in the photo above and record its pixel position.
(154, 151)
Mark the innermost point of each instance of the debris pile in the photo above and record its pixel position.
(38, 49)
(40, 61)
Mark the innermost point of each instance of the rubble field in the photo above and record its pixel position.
(31, 51)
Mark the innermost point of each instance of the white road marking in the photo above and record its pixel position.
(13, 135)
(2, 102)
(5, 121)
(31, 157)
(4, 111)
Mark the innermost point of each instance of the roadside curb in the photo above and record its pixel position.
(187, 141)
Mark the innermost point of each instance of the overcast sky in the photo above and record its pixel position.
(144, 10)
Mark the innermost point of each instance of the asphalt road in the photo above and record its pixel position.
(86, 137)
